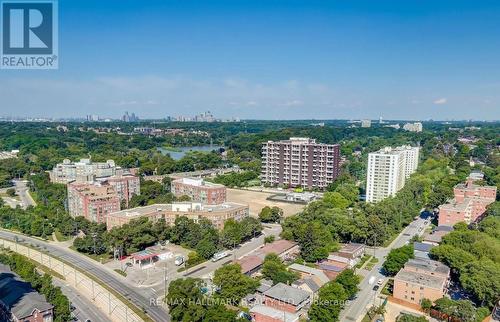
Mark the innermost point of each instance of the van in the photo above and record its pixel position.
(219, 256)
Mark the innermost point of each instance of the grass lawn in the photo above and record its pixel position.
(122, 273)
(388, 287)
(371, 263)
(103, 258)
(362, 261)
(390, 240)
(60, 237)
(366, 318)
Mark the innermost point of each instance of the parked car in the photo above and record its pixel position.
(376, 287)
(219, 256)
(179, 260)
(380, 281)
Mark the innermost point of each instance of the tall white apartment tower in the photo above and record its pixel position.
(412, 156)
(388, 169)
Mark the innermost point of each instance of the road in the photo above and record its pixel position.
(22, 190)
(83, 309)
(358, 307)
(238, 252)
(207, 268)
(140, 297)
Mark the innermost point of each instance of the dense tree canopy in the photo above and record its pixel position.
(233, 284)
(397, 258)
(474, 256)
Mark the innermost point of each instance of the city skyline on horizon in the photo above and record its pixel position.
(268, 60)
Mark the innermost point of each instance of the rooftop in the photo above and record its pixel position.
(428, 265)
(277, 247)
(423, 247)
(198, 182)
(287, 294)
(249, 263)
(351, 248)
(184, 207)
(19, 296)
(309, 282)
(427, 280)
(310, 270)
(274, 313)
(454, 205)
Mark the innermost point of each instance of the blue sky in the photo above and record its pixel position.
(268, 60)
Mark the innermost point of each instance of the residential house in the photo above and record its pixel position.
(287, 298)
(263, 313)
(20, 302)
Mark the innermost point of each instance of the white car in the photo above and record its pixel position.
(219, 256)
(179, 260)
(380, 281)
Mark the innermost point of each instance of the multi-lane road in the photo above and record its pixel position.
(82, 308)
(357, 308)
(140, 297)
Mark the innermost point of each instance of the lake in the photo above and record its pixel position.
(179, 152)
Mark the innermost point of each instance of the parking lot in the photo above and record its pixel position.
(258, 200)
(150, 274)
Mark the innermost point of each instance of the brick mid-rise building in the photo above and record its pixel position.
(125, 185)
(469, 204)
(421, 279)
(217, 214)
(92, 201)
(199, 190)
(300, 162)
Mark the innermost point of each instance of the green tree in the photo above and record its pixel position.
(426, 304)
(269, 239)
(397, 258)
(410, 318)
(349, 191)
(232, 234)
(315, 241)
(336, 200)
(274, 269)
(491, 226)
(482, 278)
(329, 303)
(218, 313)
(185, 300)
(233, 284)
(350, 281)
(206, 248)
(250, 227)
(271, 215)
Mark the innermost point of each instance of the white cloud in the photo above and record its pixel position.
(293, 103)
(441, 101)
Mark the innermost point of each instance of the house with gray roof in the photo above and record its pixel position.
(286, 298)
(19, 301)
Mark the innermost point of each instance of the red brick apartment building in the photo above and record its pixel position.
(199, 190)
(126, 186)
(419, 279)
(92, 201)
(469, 204)
(300, 162)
